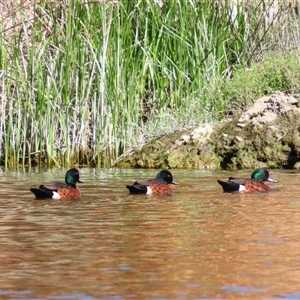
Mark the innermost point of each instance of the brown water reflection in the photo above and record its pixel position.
(197, 244)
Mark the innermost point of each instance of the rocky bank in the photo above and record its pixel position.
(266, 134)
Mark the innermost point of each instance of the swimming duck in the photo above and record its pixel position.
(158, 185)
(57, 190)
(253, 184)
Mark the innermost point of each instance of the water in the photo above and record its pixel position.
(199, 243)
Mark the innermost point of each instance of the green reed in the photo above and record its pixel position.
(81, 81)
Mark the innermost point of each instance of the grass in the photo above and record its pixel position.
(276, 71)
(82, 83)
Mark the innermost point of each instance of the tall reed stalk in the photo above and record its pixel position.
(80, 79)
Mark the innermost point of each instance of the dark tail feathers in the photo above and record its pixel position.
(229, 186)
(42, 194)
(137, 189)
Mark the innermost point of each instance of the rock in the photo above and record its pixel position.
(266, 134)
(266, 109)
(201, 132)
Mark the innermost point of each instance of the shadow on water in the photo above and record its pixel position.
(199, 243)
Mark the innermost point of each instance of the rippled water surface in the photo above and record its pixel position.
(199, 243)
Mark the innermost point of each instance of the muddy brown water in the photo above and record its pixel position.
(199, 243)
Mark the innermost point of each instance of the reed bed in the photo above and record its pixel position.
(83, 82)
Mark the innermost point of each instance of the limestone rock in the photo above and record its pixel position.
(266, 134)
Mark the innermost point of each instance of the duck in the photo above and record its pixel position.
(158, 185)
(59, 190)
(253, 184)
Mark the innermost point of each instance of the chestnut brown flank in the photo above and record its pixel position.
(160, 188)
(69, 192)
(254, 186)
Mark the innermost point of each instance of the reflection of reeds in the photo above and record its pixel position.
(79, 80)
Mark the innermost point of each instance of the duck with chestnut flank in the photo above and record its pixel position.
(59, 190)
(158, 185)
(253, 184)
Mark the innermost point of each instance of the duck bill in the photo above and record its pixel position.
(80, 181)
(175, 182)
(271, 180)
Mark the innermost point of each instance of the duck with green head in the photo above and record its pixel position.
(59, 190)
(158, 185)
(253, 184)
